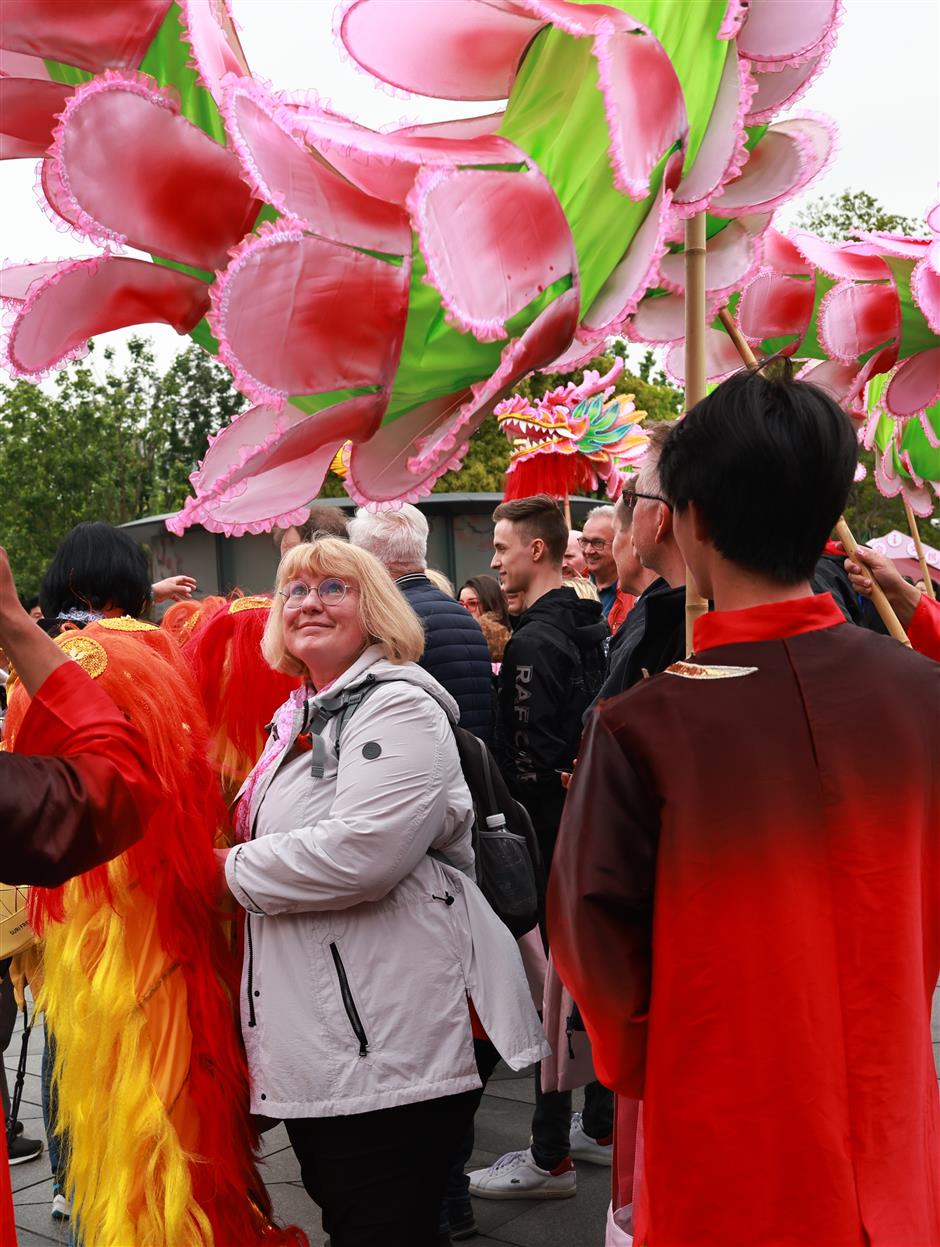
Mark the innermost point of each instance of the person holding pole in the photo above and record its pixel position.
(745, 897)
(918, 612)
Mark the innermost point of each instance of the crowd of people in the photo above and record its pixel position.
(265, 800)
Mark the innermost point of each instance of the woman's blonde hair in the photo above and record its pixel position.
(583, 587)
(384, 615)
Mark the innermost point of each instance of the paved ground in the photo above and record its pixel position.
(502, 1125)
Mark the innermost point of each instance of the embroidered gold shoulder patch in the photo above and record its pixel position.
(86, 651)
(124, 623)
(696, 671)
(254, 602)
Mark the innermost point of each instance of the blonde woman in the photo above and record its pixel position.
(367, 941)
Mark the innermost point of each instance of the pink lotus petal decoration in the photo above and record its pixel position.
(390, 246)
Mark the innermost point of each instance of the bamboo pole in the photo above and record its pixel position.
(695, 604)
(567, 511)
(880, 602)
(919, 546)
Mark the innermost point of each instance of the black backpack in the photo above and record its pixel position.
(509, 868)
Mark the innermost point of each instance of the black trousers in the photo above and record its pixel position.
(379, 1177)
(551, 1121)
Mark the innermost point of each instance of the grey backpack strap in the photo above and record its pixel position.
(341, 706)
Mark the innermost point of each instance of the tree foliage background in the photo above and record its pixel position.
(115, 448)
(120, 445)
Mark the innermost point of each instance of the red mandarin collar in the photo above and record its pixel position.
(770, 622)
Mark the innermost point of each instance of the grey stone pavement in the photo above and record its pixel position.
(502, 1125)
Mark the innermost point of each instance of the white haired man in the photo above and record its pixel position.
(455, 651)
(597, 547)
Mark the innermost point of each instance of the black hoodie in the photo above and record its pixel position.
(552, 669)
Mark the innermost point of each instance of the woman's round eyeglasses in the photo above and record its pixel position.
(330, 591)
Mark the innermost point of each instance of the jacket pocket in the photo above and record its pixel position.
(352, 1013)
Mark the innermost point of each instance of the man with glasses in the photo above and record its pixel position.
(597, 547)
(745, 901)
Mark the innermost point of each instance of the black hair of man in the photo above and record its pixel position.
(96, 565)
(768, 462)
(538, 516)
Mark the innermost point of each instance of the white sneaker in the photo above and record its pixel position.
(517, 1176)
(61, 1208)
(583, 1147)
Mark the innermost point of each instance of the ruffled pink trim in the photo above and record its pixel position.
(662, 204)
(259, 93)
(35, 292)
(822, 59)
(925, 287)
(932, 437)
(506, 374)
(195, 61)
(196, 511)
(747, 89)
(822, 323)
(490, 329)
(810, 165)
(799, 56)
(270, 234)
(111, 80)
(733, 20)
(377, 83)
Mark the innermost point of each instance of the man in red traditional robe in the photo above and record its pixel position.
(81, 799)
(745, 895)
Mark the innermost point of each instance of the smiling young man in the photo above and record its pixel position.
(552, 668)
(746, 895)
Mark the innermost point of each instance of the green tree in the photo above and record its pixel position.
(110, 449)
(837, 217)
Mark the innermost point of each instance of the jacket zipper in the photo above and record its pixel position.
(252, 1021)
(355, 1021)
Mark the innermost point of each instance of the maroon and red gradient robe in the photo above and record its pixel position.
(745, 903)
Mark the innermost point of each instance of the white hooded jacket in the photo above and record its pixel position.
(360, 948)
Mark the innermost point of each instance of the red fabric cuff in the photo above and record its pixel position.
(924, 628)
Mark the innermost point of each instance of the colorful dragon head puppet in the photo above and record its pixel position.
(571, 438)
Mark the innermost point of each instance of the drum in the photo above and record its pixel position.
(15, 932)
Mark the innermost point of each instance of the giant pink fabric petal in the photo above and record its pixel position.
(854, 318)
(384, 470)
(846, 381)
(136, 171)
(721, 357)
(265, 467)
(644, 104)
(621, 293)
(731, 256)
(916, 384)
(856, 261)
(459, 50)
(722, 153)
(28, 113)
(58, 205)
(290, 178)
(782, 256)
(296, 314)
(92, 34)
(781, 30)
(513, 219)
(16, 280)
(658, 320)
(385, 165)
(925, 285)
(773, 306)
(780, 88)
(87, 297)
(789, 156)
(214, 41)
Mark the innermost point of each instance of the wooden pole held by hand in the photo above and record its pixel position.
(919, 546)
(880, 602)
(695, 604)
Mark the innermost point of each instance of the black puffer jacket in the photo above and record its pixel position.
(455, 652)
(552, 669)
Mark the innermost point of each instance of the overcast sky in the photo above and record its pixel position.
(881, 87)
